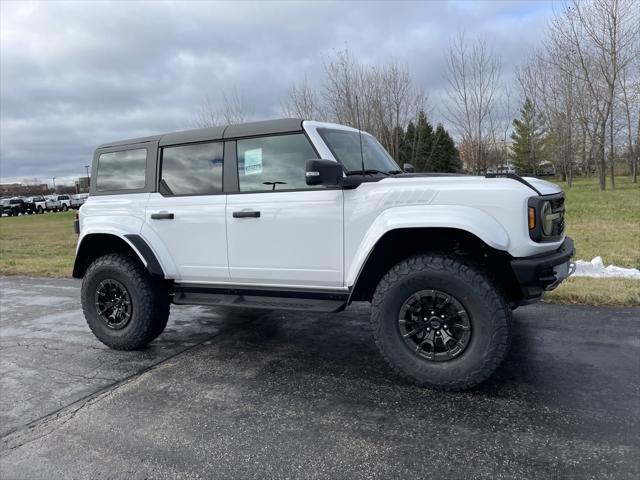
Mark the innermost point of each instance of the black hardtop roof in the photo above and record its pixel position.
(250, 129)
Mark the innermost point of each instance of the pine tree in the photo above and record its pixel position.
(444, 155)
(423, 144)
(407, 145)
(526, 151)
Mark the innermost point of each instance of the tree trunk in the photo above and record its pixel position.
(602, 161)
(612, 153)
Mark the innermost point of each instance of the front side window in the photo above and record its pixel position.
(345, 146)
(192, 169)
(123, 170)
(274, 163)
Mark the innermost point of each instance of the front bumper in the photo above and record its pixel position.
(543, 272)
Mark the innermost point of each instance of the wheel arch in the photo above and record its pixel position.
(95, 245)
(398, 244)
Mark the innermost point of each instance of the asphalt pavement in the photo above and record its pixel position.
(295, 395)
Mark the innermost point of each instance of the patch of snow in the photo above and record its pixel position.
(595, 268)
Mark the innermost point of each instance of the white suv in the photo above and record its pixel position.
(302, 215)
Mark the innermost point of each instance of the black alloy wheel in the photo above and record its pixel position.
(434, 325)
(113, 304)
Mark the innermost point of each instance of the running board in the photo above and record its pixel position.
(271, 299)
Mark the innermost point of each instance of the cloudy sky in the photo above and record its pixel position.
(74, 75)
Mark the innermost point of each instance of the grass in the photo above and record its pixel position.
(597, 291)
(601, 223)
(37, 245)
(605, 223)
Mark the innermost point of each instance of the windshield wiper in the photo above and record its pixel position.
(368, 171)
(395, 172)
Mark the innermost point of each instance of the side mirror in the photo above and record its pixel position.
(323, 172)
(408, 168)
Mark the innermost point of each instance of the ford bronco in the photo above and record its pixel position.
(302, 215)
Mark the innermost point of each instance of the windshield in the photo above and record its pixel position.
(345, 146)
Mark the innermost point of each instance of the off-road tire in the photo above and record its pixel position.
(149, 299)
(486, 307)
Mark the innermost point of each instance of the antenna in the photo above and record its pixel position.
(360, 135)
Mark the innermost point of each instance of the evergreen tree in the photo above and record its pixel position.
(526, 151)
(423, 144)
(407, 145)
(444, 154)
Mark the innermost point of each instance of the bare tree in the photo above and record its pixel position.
(601, 39)
(230, 110)
(303, 102)
(473, 78)
(630, 103)
(380, 99)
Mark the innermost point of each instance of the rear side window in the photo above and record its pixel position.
(192, 169)
(274, 163)
(124, 170)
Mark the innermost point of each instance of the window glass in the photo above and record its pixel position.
(345, 146)
(124, 170)
(273, 163)
(192, 169)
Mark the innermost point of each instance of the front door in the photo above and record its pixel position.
(281, 232)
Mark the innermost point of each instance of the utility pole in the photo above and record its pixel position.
(54, 184)
(86, 167)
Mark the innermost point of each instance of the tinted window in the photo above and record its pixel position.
(63, 197)
(345, 146)
(123, 170)
(273, 163)
(192, 169)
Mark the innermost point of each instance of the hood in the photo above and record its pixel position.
(544, 187)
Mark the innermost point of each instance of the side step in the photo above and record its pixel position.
(269, 298)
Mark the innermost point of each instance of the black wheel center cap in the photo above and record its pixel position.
(435, 323)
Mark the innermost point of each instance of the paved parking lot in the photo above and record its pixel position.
(291, 395)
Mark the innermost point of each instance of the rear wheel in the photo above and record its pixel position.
(64, 208)
(40, 210)
(124, 306)
(440, 322)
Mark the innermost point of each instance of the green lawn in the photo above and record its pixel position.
(39, 245)
(605, 223)
(601, 223)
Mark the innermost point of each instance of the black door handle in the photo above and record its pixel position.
(246, 214)
(162, 216)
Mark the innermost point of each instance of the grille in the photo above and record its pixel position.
(557, 206)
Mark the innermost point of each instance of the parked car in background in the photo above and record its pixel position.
(547, 169)
(13, 207)
(65, 202)
(78, 200)
(52, 204)
(37, 204)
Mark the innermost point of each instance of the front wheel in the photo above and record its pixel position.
(64, 208)
(440, 322)
(124, 306)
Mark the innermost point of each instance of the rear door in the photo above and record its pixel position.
(280, 231)
(185, 218)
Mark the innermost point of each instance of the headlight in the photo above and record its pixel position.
(546, 217)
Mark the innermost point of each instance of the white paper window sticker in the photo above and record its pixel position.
(253, 161)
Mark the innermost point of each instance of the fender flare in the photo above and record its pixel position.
(468, 219)
(135, 242)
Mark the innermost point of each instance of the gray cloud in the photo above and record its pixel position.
(74, 75)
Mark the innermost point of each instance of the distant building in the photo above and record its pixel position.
(82, 184)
